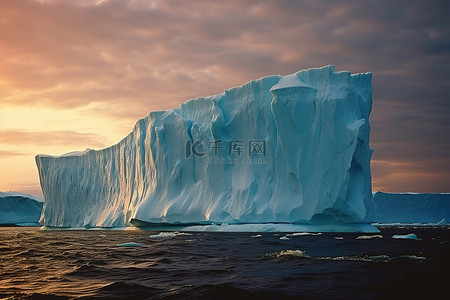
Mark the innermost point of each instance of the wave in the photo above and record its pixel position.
(300, 254)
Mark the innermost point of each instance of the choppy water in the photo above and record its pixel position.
(149, 265)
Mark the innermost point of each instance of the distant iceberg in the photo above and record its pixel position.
(19, 209)
(282, 149)
(412, 208)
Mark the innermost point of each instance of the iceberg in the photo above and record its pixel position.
(19, 209)
(281, 149)
(412, 208)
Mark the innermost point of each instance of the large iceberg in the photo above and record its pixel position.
(19, 209)
(280, 149)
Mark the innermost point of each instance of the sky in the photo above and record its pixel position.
(79, 74)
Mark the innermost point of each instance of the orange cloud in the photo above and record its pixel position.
(421, 177)
(46, 138)
(4, 154)
(113, 62)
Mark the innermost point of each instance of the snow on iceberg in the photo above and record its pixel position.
(281, 149)
(19, 209)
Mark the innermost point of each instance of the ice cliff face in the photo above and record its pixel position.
(19, 209)
(279, 149)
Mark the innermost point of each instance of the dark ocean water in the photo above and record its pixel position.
(47, 264)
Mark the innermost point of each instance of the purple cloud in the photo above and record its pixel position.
(136, 56)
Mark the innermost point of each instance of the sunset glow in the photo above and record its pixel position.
(79, 74)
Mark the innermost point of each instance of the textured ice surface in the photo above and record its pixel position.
(20, 209)
(412, 208)
(310, 161)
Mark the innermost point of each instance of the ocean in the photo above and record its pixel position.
(141, 264)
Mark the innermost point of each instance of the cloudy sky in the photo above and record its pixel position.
(78, 74)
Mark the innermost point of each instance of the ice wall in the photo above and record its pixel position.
(412, 208)
(19, 209)
(304, 157)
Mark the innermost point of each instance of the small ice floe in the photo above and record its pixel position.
(129, 244)
(167, 234)
(410, 236)
(256, 236)
(163, 235)
(368, 237)
(442, 222)
(379, 258)
(303, 233)
(413, 257)
(289, 254)
(284, 238)
(338, 237)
